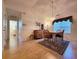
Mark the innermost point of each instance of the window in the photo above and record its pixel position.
(62, 25)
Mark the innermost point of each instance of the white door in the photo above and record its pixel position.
(13, 31)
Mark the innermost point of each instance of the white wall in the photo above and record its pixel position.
(4, 27)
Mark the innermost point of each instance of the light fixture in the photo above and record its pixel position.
(53, 17)
(50, 19)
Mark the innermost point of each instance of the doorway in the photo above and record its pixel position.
(13, 33)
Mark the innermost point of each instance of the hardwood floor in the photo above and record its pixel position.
(33, 50)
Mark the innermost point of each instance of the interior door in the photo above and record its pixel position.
(13, 33)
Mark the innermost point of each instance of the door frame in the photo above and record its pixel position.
(8, 31)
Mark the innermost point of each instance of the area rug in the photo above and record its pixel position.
(57, 47)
